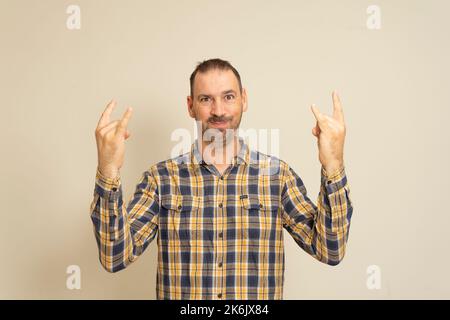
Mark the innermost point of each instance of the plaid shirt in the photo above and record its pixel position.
(220, 236)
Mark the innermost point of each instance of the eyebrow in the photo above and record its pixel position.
(223, 92)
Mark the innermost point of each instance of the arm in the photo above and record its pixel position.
(122, 231)
(322, 230)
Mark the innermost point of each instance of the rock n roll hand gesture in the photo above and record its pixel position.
(330, 133)
(110, 137)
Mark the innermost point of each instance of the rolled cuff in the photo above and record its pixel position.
(335, 180)
(106, 186)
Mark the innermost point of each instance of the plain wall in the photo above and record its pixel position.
(394, 87)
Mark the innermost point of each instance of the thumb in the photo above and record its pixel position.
(316, 130)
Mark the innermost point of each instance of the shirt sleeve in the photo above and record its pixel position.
(123, 231)
(321, 230)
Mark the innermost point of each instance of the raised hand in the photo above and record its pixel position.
(330, 134)
(110, 137)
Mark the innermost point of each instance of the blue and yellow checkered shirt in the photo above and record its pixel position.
(220, 236)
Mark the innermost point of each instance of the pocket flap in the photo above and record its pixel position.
(254, 201)
(180, 202)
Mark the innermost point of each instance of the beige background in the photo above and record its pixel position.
(393, 83)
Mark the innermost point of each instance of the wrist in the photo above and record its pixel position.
(332, 168)
(108, 173)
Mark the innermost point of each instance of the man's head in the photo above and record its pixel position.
(217, 98)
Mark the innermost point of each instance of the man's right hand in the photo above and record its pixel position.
(111, 138)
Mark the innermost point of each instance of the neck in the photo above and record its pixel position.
(220, 152)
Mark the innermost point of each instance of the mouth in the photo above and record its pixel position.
(219, 124)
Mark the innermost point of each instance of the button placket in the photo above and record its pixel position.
(220, 223)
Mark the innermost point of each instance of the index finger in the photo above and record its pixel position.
(316, 113)
(104, 118)
(337, 107)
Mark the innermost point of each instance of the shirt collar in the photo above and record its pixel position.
(242, 156)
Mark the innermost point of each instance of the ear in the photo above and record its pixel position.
(190, 105)
(244, 99)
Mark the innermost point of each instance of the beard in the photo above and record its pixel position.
(220, 129)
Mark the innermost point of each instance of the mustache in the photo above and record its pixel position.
(219, 119)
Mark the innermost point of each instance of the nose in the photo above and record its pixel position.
(217, 108)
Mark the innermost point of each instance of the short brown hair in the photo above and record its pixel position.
(211, 64)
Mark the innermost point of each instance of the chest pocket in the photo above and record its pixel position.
(259, 216)
(181, 217)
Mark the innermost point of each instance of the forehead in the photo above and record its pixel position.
(215, 81)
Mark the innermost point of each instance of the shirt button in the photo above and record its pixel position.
(260, 205)
(220, 264)
(329, 181)
(221, 177)
(220, 205)
(219, 295)
(114, 189)
(221, 235)
(179, 207)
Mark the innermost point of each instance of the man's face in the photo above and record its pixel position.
(217, 102)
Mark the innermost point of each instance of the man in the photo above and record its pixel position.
(219, 224)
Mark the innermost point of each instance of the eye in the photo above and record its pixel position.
(229, 97)
(203, 99)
